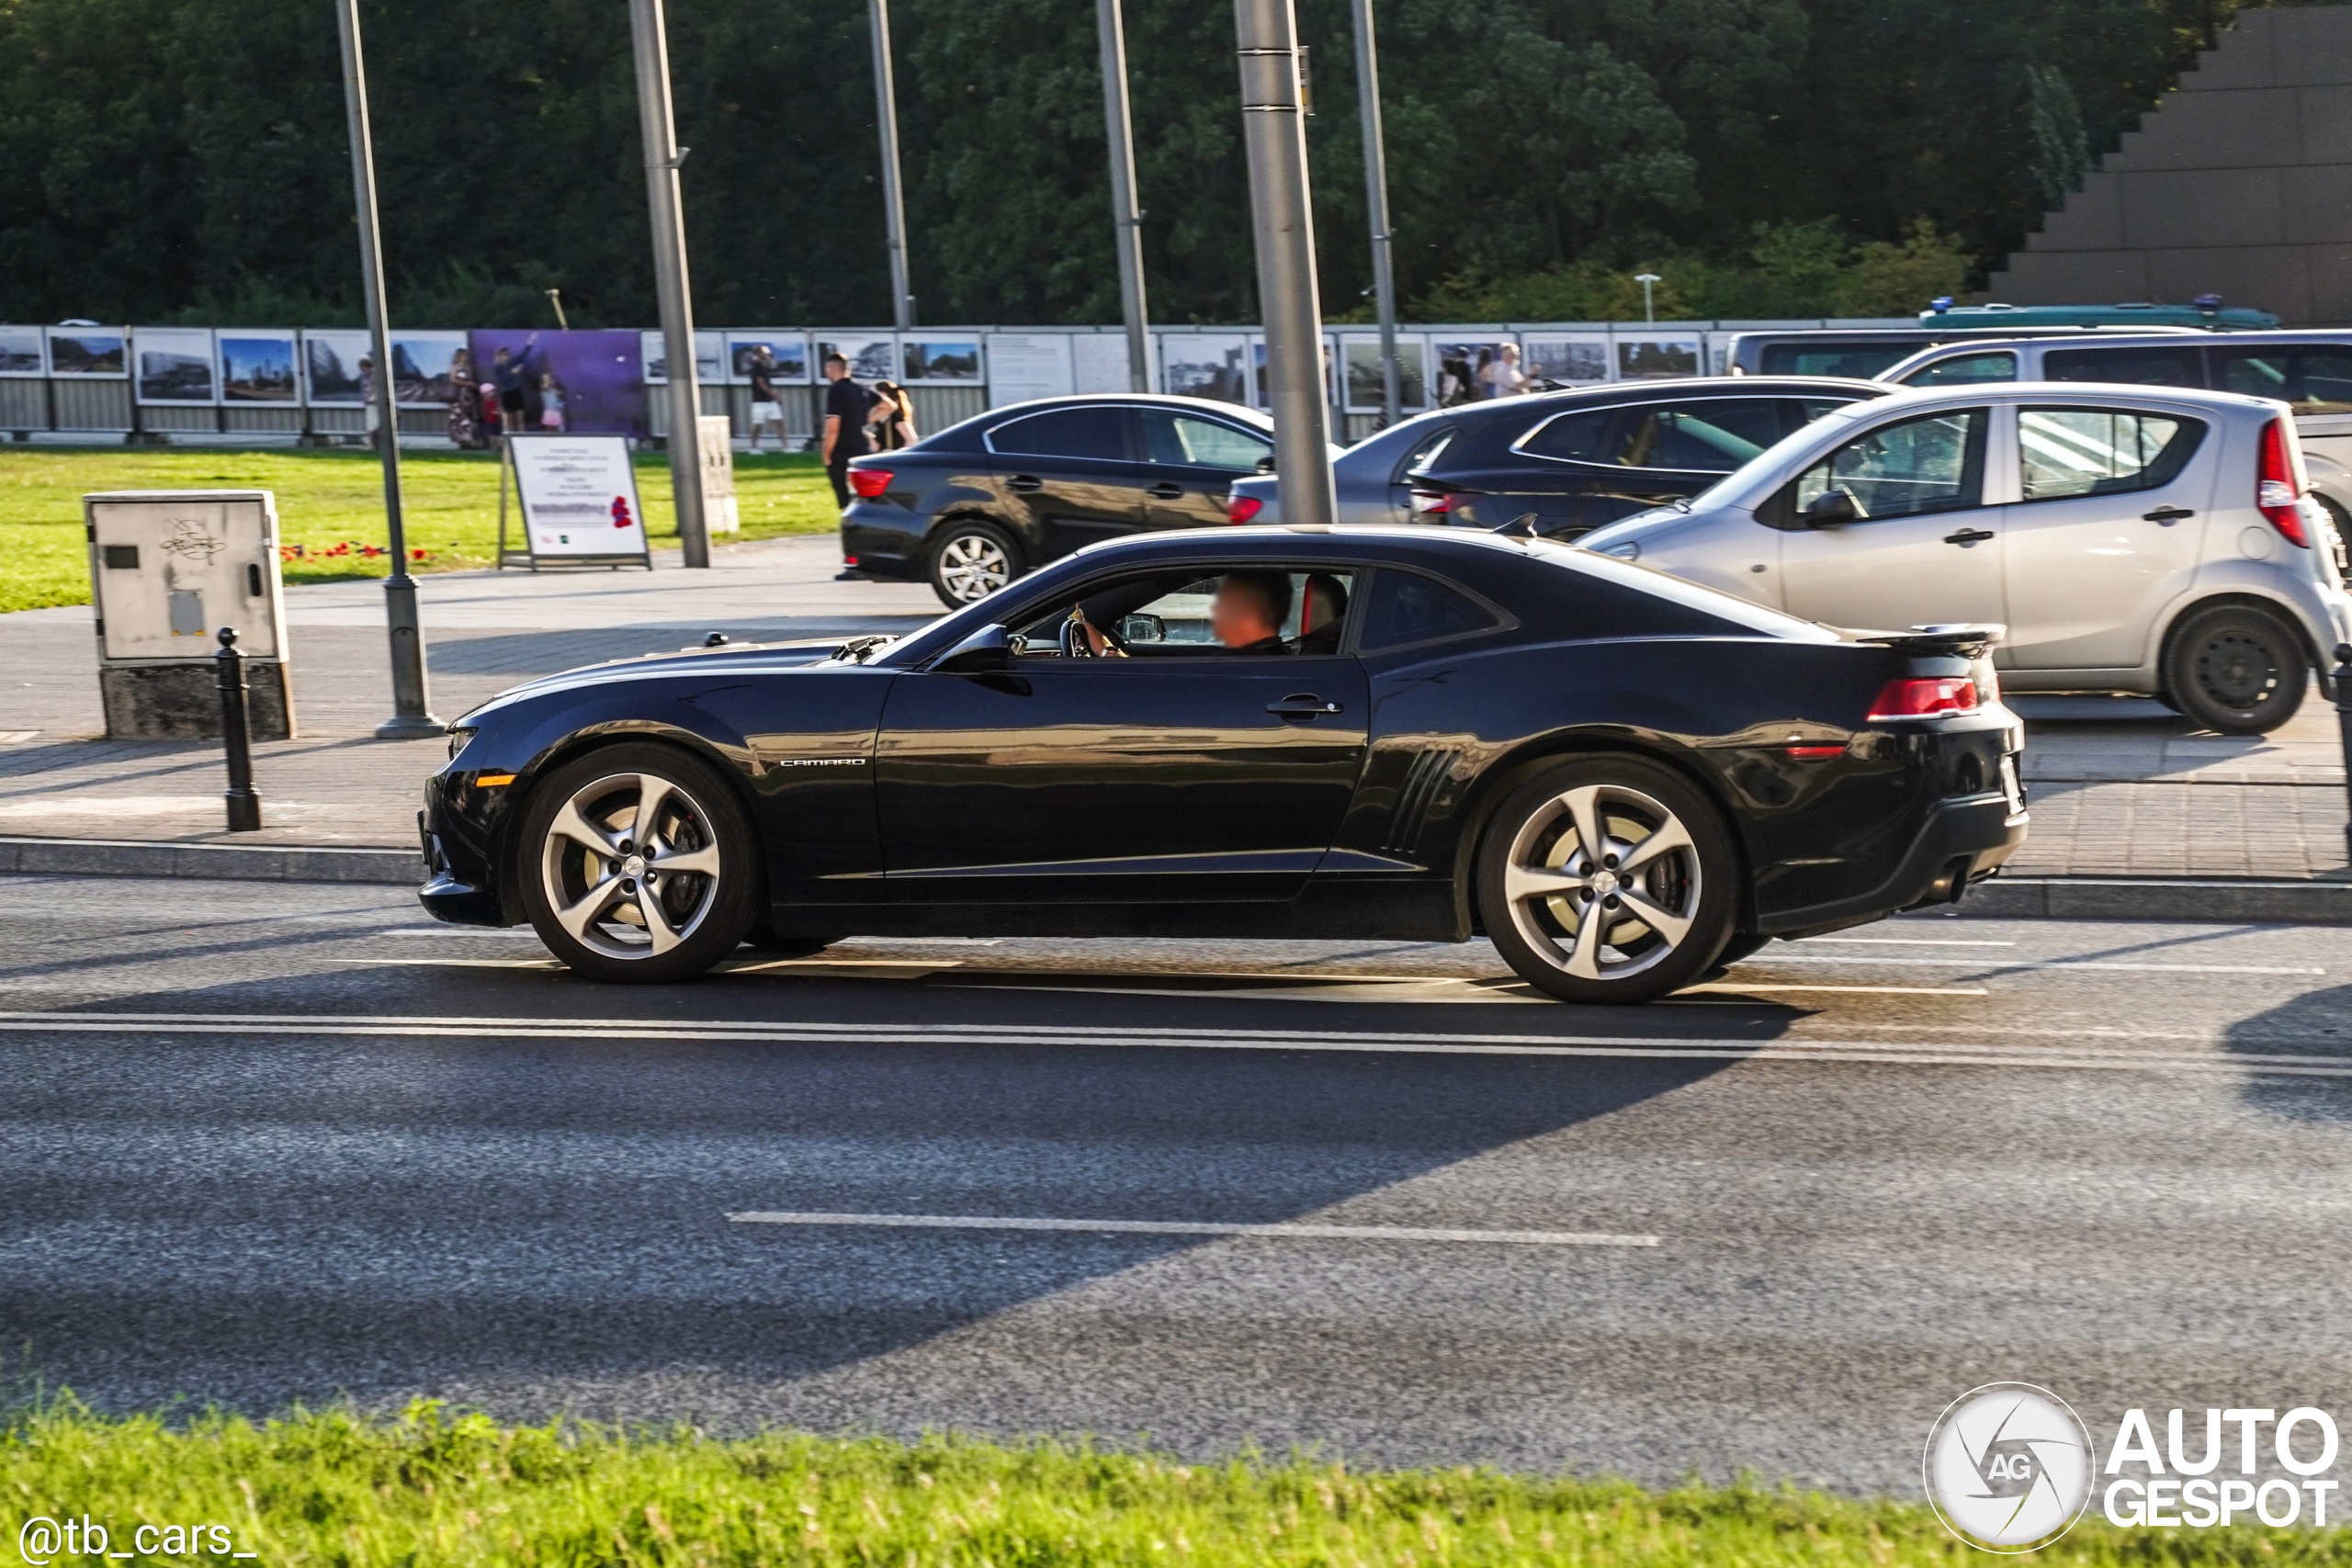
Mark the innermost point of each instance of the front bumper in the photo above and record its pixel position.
(460, 837)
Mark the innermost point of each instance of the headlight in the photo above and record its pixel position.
(1625, 549)
(458, 738)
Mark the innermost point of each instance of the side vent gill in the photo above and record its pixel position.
(1422, 781)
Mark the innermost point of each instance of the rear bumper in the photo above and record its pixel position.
(1962, 842)
(885, 540)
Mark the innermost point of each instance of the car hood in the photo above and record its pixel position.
(1647, 529)
(726, 659)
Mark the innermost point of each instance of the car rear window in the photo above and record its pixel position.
(2316, 379)
(1407, 608)
(2133, 366)
(2069, 452)
(1099, 433)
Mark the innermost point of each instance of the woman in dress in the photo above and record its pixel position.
(893, 425)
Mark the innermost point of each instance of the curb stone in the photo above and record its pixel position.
(2215, 898)
(218, 863)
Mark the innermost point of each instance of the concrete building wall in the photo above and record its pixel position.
(2239, 183)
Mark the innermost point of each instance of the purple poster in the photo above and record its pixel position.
(592, 382)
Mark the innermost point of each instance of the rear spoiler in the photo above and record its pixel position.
(1969, 641)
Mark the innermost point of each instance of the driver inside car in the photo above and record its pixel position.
(1245, 615)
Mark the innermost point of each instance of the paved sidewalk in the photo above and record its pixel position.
(2119, 787)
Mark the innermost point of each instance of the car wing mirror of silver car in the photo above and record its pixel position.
(1831, 508)
(990, 649)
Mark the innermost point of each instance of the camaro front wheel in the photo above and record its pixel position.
(638, 864)
(1607, 879)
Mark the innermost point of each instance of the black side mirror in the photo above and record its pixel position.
(1831, 508)
(988, 649)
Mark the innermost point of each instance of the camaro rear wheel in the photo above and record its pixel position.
(2237, 670)
(638, 864)
(970, 560)
(1607, 879)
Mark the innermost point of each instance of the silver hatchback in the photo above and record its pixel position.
(2133, 538)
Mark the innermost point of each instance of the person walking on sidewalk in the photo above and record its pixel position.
(767, 409)
(847, 408)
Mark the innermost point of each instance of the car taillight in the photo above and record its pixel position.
(1924, 697)
(1432, 503)
(869, 484)
(2277, 492)
(1242, 508)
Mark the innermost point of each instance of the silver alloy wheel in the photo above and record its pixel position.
(973, 566)
(630, 866)
(1603, 881)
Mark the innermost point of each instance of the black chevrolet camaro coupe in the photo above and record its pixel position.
(1623, 779)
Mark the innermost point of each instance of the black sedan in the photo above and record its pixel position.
(1394, 733)
(1574, 462)
(976, 505)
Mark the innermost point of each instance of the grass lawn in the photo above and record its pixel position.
(334, 497)
(429, 1488)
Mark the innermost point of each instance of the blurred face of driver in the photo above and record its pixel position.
(1239, 614)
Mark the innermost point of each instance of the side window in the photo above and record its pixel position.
(1099, 432)
(1190, 613)
(2065, 452)
(1934, 462)
(1963, 369)
(1424, 452)
(1571, 437)
(1191, 442)
(1712, 435)
(2317, 379)
(2167, 366)
(1407, 608)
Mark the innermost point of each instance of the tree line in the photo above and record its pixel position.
(169, 161)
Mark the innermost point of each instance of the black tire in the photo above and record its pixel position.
(1534, 843)
(589, 902)
(2236, 668)
(968, 559)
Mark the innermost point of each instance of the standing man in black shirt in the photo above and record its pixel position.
(847, 408)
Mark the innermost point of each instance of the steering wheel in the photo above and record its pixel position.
(1076, 644)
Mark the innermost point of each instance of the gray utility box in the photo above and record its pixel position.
(168, 569)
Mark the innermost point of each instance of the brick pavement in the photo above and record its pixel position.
(2119, 788)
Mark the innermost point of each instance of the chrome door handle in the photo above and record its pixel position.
(1166, 490)
(1303, 704)
(2168, 515)
(1025, 483)
(1968, 537)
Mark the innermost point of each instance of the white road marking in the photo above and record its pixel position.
(1869, 961)
(1909, 941)
(1925, 1053)
(1194, 1227)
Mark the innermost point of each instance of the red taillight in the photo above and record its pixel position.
(1242, 508)
(2276, 491)
(1432, 503)
(869, 484)
(1924, 697)
(849, 560)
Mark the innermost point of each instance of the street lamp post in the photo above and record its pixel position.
(412, 709)
(894, 207)
(1648, 280)
(1376, 188)
(658, 128)
(1127, 216)
(1273, 129)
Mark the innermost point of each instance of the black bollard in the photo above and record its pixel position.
(236, 736)
(2344, 722)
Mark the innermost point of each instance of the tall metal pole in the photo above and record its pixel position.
(894, 207)
(1127, 216)
(1376, 201)
(658, 129)
(412, 712)
(1273, 127)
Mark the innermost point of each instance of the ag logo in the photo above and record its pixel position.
(2009, 1467)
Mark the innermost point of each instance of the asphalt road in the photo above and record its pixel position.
(266, 1144)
